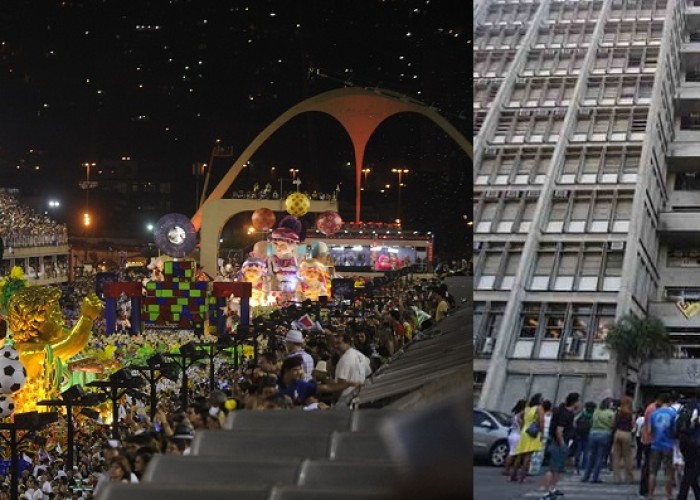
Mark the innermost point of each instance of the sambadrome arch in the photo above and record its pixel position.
(359, 111)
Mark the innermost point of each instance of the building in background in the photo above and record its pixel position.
(587, 135)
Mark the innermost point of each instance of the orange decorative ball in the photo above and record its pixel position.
(263, 219)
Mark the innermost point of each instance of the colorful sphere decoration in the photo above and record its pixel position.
(292, 223)
(7, 406)
(297, 204)
(329, 223)
(263, 219)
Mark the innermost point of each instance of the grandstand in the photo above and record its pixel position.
(32, 241)
(406, 437)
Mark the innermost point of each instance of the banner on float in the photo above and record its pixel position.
(688, 309)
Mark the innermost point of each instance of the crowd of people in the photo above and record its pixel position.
(284, 367)
(591, 437)
(268, 193)
(21, 227)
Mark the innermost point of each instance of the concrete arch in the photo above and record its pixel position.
(359, 111)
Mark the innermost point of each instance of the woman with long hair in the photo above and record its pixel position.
(514, 434)
(530, 438)
(622, 440)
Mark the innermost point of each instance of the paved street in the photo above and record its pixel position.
(489, 484)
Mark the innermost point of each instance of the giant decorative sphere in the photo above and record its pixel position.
(297, 204)
(7, 406)
(13, 375)
(329, 223)
(263, 219)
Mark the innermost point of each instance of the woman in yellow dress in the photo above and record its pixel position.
(528, 444)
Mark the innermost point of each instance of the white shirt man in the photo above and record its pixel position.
(353, 366)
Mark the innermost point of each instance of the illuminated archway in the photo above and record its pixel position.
(359, 111)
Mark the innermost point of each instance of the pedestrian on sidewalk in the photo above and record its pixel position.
(622, 441)
(514, 434)
(646, 446)
(638, 426)
(688, 432)
(599, 441)
(530, 438)
(583, 429)
(561, 433)
(538, 457)
(661, 425)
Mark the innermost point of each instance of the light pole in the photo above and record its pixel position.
(366, 172)
(400, 172)
(294, 172)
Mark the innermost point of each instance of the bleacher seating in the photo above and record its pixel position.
(335, 454)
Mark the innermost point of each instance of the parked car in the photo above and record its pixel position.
(491, 430)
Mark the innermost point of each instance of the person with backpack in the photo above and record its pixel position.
(622, 441)
(687, 430)
(582, 428)
(662, 426)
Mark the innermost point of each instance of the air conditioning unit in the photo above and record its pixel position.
(573, 345)
(532, 194)
(616, 245)
(487, 348)
(512, 194)
(561, 194)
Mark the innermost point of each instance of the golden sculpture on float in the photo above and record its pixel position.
(37, 324)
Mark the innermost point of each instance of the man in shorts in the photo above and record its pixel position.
(561, 433)
(661, 425)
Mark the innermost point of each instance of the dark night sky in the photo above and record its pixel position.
(159, 81)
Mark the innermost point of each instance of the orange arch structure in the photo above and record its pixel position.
(360, 112)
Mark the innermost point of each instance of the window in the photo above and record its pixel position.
(612, 271)
(604, 322)
(601, 216)
(530, 321)
(555, 321)
(543, 269)
(590, 269)
(567, 270)
(527, 216)
(623, 215)
(580, 321)
(556, 217)
(579, 215)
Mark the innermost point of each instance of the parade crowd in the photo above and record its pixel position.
(21, 227)
(294, 369)
(663, 437)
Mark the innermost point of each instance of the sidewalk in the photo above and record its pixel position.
(572, 487)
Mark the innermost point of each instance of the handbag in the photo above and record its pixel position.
(533, 429)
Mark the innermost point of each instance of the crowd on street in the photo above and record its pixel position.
(585, 439)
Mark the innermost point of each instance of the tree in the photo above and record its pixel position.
(635, 341)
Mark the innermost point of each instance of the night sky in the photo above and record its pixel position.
(159, 82)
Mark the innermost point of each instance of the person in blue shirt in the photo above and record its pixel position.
(661, 425)
(292, 384)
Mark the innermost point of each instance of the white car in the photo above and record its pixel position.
(491, 430)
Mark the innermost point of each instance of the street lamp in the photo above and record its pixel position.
(400, 172)
(294, 172)
(366, 172)
(149, 226)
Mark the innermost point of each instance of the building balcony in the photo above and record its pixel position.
(672, 373)
(671, 315)
(690, 54)
(685, 200)
(692, 17)
(683, 154)
(679, 223)
(689, 98)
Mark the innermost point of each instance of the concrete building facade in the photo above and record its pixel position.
(587, 147)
